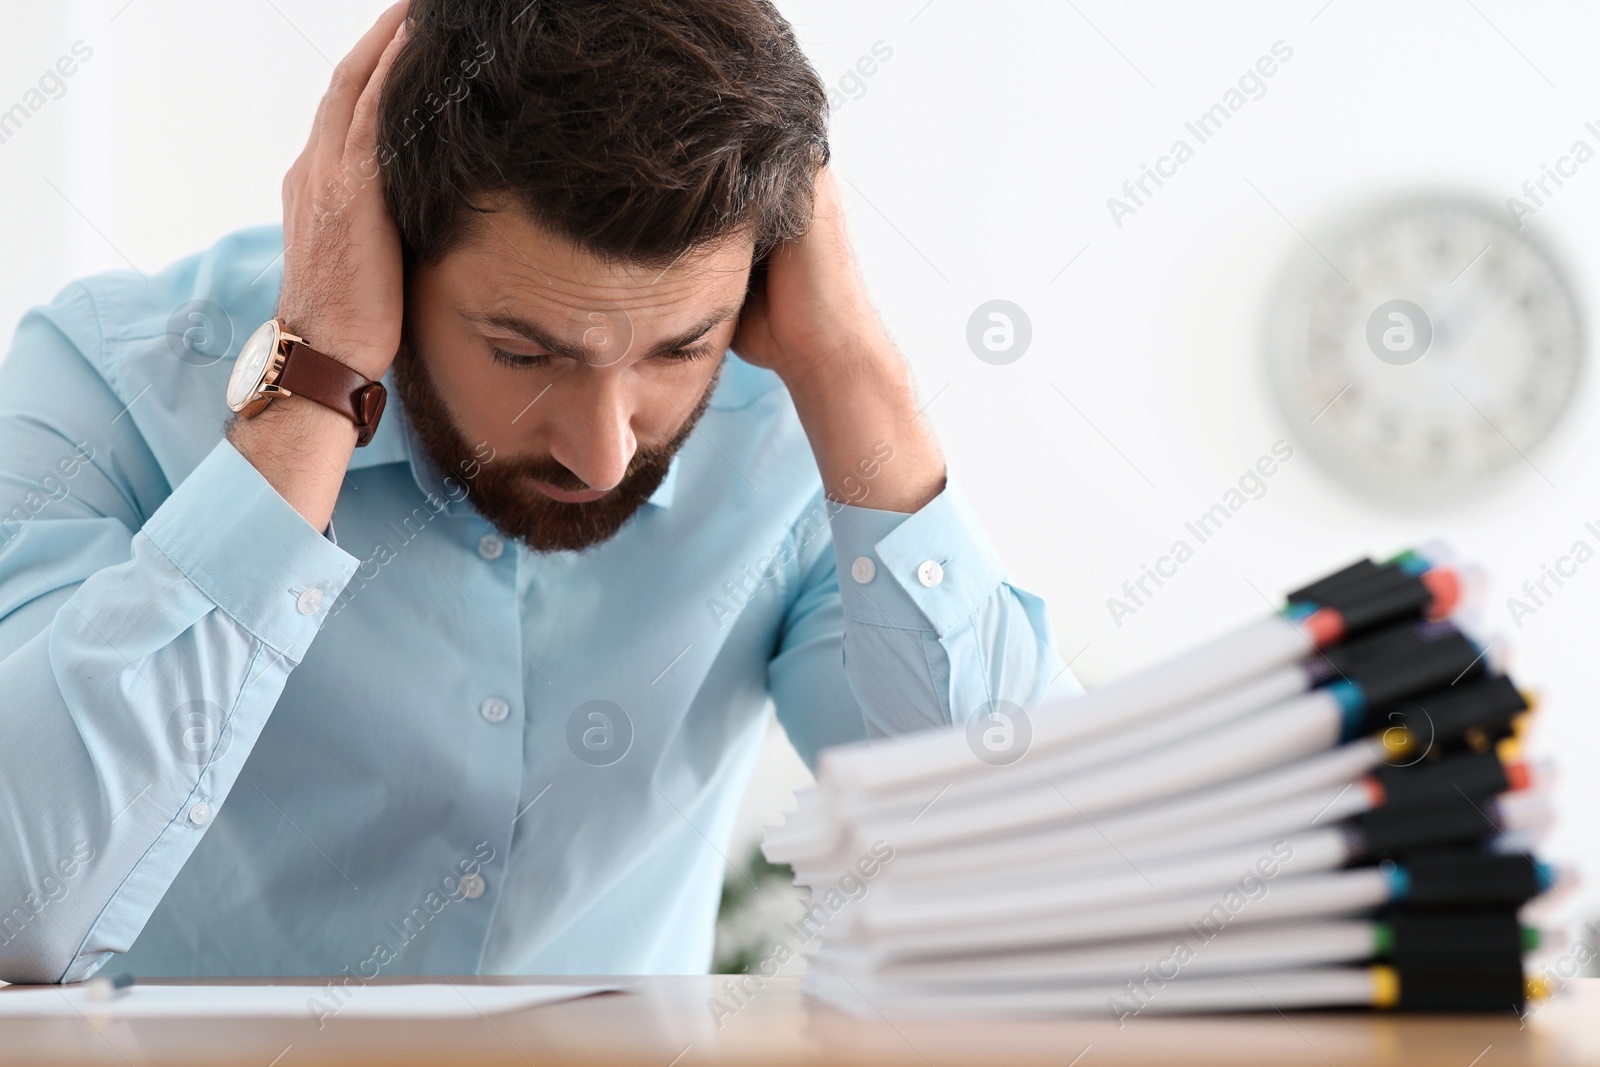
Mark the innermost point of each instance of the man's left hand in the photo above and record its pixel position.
(814, 308)
(814, 325)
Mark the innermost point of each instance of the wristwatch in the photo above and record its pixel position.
(274, 363)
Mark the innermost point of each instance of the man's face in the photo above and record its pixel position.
(580, 376)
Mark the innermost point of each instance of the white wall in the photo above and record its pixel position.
(979, 160)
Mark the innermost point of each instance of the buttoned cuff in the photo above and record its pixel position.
(257, 558)
(932, 568)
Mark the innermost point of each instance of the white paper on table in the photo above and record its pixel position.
(424, 1001)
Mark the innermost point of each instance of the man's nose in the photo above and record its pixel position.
(594, 432)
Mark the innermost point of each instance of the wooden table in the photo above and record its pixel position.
(665, 1022)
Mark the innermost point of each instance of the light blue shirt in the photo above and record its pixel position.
(231, 744)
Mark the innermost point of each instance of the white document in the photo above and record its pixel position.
(428, 1001)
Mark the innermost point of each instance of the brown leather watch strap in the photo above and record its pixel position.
(316, 376)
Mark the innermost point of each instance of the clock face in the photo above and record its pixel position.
(1425, 348)
(251, 364)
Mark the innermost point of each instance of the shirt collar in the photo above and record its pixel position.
(396, 441)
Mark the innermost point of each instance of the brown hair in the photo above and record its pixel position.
(637, 129)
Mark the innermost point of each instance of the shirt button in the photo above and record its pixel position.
(495, 709)
(472, 886)
(862, 570)
(930, 573)
(309, 601)
(200, 814)
(490, 546)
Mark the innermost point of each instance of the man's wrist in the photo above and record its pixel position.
(288, 419)
(368, 360)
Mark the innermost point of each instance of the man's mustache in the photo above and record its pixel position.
(557, 476)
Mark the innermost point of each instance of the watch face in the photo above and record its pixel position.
(251, 365)
(1426, 348)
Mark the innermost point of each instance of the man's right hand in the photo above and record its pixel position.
(343, 279)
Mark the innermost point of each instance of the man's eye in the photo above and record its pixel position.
(522, 361)
(518, 360)
(684, 355)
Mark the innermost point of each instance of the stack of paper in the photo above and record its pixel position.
(1324, 808)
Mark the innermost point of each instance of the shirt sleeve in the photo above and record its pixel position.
(908, 621)
(140, 654)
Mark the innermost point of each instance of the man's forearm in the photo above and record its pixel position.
(861, 401)
(302, 449)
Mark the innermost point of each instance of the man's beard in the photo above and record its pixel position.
(501, 491)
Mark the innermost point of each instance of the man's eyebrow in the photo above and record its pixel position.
(536, 334)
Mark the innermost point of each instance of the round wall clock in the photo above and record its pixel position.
(1425, 347)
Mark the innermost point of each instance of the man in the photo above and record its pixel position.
(472, 683)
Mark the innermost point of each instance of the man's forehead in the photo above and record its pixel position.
(506, 288)
(509, 246)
